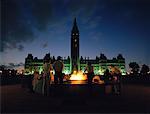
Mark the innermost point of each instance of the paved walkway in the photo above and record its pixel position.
(134, 98)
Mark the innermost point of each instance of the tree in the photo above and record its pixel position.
(144, 69)
(135, 67)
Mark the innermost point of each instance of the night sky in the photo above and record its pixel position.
(106, 26)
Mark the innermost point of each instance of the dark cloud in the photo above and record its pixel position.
(45, 45)
(19, 19)
(14, 45)
(13, 65)
(14, 29)
(21, 64)
(42, 13)
(20, 47)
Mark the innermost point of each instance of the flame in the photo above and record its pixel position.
(78, 76)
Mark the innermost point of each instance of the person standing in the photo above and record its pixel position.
(46, 77)
(107, 81)
(35, 81)
(58, 68)
(40, 84)
(90, 73)
(117, 83)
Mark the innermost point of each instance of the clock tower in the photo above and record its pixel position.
(75, 47)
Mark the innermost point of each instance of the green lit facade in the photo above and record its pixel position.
(75, 61)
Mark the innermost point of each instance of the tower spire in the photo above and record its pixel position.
(75, 27)
(75, 46)
(75, 22)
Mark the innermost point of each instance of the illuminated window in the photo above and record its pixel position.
(76, 33)
(75, 45)
(75, 40)
(73, 34)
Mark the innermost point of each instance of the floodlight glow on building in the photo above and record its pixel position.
(75, 61)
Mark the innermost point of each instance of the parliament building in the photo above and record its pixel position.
(75, 61)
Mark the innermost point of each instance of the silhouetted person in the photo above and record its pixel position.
(117, 83)
(58, 68)
(46, 77)
(39, 84)
(107, 81)
(107, 77)
(35, 81)
(90, 73)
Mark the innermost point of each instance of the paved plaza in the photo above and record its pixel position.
(134, 99)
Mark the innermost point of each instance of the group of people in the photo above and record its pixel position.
(112, 80)
(41, 82)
